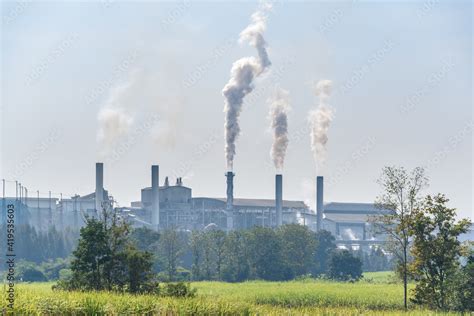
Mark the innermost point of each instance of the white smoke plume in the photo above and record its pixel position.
(320, 120)
(114, 117)
(242, 75)
(279, 108)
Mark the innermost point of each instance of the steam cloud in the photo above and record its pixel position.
(279, 108)
(242, 75)
(320, 120)
(113, 118)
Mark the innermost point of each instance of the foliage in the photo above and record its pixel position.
(265, 255)
(324, 246)
(106, 259)
(170, 247)
(400, 197)
(298, 245)
(179, 289)
(343, 266)
(29, 272)
(236, 266)
(217, 298)
(39, 246)
(436, 251)
(463, 286)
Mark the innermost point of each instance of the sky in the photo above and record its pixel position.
(402, 95)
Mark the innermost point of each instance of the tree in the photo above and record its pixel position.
(170, 247)
(265, 255)
(196, 241)
(218, 240)
(139, 266)
(324, 246)
(436, 251)
(90, 256)
(106, 258)
(298, 247)
(344, 266)
(463, 286)
(235, 265)
(145, 238)
(397, 203)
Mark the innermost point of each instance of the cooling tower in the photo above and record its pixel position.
(279, 199)
(99, 186)
(155, 196)
(230, 200)
(319, 202)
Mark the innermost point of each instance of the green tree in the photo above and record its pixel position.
(170, 247)
(463, 285)
(436, 251)
(344, 266)
(218, 238)
(298, 247)
(139, 266)
(195, 243)
(265, 254)
(145, 238)
(90, 256)
(106, 258)
(400, 198)
(235, 265)
(325, 244)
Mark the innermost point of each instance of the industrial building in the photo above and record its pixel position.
(173, 206)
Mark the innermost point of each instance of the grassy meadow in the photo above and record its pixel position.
(377, 294)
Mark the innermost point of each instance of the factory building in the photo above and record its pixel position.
(173, 206)
(179, 209)
(351, 223)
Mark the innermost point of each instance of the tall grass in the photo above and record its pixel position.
(306, 297)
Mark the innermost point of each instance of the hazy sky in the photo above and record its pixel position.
(401, 72)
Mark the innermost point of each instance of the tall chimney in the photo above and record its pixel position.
(230, 200)
(155, 196)
(279, 199)
(319, 202)
(99, 186)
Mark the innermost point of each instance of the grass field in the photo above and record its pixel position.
(377, 294)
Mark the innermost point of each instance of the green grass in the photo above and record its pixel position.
(307, 297)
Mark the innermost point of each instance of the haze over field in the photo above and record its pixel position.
(133, 84)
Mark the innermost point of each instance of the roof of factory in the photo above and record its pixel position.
(260, 202)
(353, 208)
(351, 212)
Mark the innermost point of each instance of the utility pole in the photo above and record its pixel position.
(38, 215)
(4, 211)
(50, 215)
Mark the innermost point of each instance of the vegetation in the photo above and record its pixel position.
(400, 196)
(436, 251)
(41, 246)
(105, 259)
(309, 297)
(344, 266)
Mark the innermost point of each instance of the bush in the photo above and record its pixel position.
(343, 266)
(179, 289)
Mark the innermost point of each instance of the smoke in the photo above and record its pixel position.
(242, 75)
(320, 120)
(114, 118)
(279, 108)
(349, 234)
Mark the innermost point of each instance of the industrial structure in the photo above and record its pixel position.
(173, 206)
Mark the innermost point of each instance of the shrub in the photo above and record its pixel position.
(179, 289)
(343, 266)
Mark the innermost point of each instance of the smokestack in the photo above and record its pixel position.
(230, 199)
(279, 199)
(155, 196)
(99, 185)
(319, 202)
